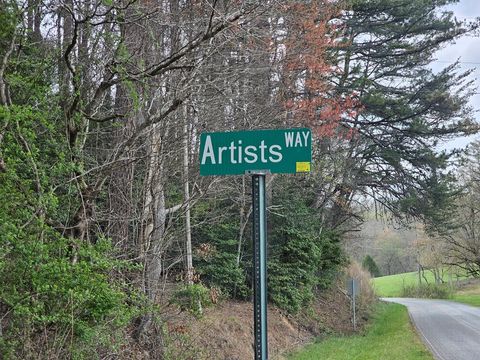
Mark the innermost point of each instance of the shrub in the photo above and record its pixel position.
(43, 291)
(216, 255)
(192, 298)
(429, 291)
(221, 271)
(371, 266)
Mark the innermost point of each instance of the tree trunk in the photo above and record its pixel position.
(121, 185)
(186, 197)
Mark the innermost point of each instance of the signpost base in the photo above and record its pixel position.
(259, 267)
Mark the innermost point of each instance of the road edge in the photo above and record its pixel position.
(423, 338)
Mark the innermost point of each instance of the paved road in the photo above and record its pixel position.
(451, 330)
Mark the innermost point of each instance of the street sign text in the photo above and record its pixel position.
(236, 152)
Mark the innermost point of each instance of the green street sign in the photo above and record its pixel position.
(286, 151)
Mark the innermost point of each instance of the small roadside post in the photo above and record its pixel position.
(257, 153)
(353, 289)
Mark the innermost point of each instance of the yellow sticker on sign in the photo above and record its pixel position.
(303, 167)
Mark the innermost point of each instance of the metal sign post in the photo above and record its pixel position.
(353, 289)
(354, 308)
(260, 267)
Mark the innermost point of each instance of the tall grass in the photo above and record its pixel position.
(428, 291)
(367, 296)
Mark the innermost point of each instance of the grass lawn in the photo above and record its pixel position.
(390, 336)
(469, 295)
(392, 285)
(473, 300)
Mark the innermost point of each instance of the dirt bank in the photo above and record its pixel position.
(226, 329)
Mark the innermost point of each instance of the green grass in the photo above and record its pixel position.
(473, 300)
(390, 336)
(392, 285)
(469, 294)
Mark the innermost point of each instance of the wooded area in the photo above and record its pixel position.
(101, 107)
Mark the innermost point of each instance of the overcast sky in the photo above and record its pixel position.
(467, 49)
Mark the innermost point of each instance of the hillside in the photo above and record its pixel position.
(225, 330)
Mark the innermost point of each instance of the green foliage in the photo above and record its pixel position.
(44, 289)
(301, 264)
(216, 256)
(371, 266)
(51, 284)
(8, 19)
(192, 298)
(292, 272)
(407, 108)
(223, 272)
(436, 202)
(303, 256)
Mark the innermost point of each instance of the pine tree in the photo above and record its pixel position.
(371, 266)
(407, 109)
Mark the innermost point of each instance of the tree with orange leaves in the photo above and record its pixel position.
(309, 96)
